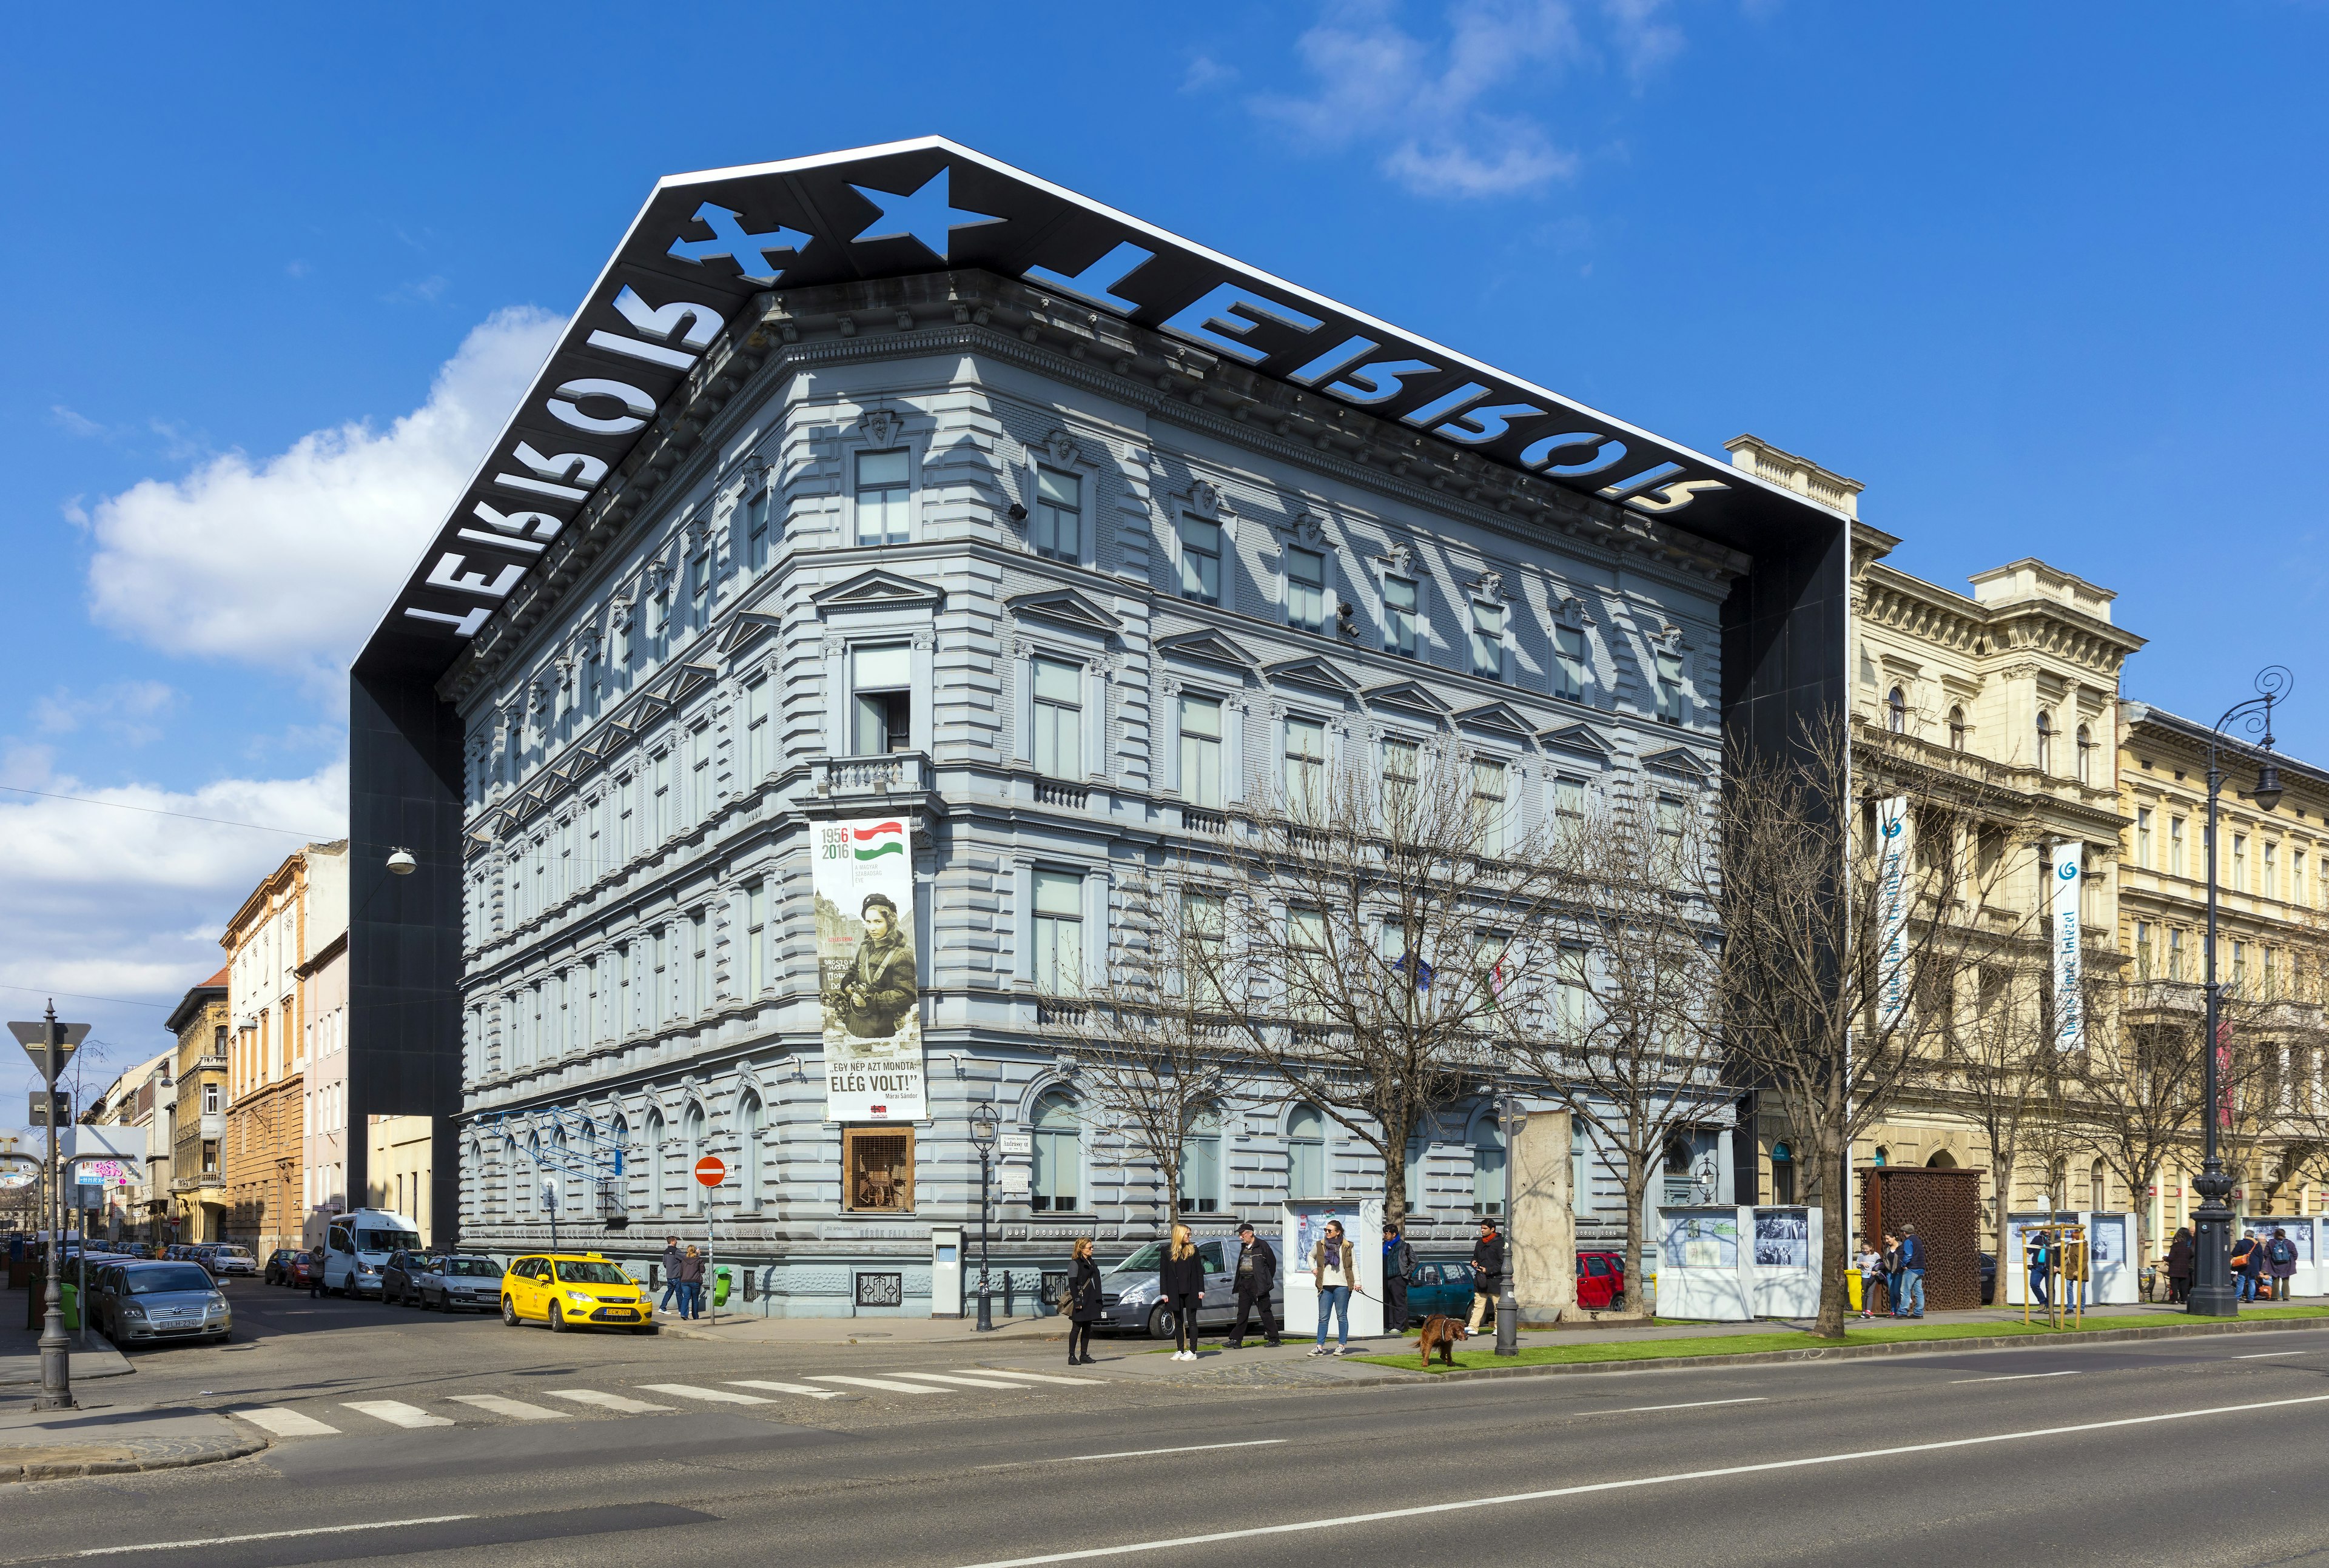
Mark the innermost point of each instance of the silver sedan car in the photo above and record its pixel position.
(138, 1303)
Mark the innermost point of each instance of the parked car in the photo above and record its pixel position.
(1128, 1293)
(140, 1302)
(443, 1280)
(573, 1291)
(1989, 1277)
(1439, 1288)
(302, 1272)
(1600, 1281)
(278, 1266)
(227, 1258)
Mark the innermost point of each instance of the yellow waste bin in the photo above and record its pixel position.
(1851, 1281)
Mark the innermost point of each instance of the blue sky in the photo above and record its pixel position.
(2047, 278)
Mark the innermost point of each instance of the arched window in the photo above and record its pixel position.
(616, 1198)
(1884, 1155)
(1059, 1155)
(555, 1178)
(2045, 741)
(530, 1177)
(2086, 754)
(2098, 1189)
(1956, 729)
(658, 1165)
(1488, 1168)
(690, 1151)
(1783, 1174)
(1306, 1153)
(1896, 711)
(1201, 1165)
(748, 1155)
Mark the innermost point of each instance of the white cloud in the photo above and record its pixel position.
(73, 423)
(105, 903)
(1453, 109)
(126, 709)
(285, 562)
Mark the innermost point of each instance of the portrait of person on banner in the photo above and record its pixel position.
(867, 972)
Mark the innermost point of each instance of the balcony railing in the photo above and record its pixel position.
(889, 772)
(1051, 793)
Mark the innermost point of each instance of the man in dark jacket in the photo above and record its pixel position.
(671, 1256)
(1257, 1276)
(1398, 1261)
(2281, 1262)
(1909, 1302)
(1487, 1271)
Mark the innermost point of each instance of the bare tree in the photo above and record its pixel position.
(1631, 1042)
(1151, 1043)
(1818, 976)
(1995, 1067)
(1364, 924)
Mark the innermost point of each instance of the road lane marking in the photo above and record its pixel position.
(285, 1422)
(2016, 1376)
(788, 1387)
(271, 1536)
(394, 1412)
(1142, 1454)
(1037, 1376)
(1694, 1404)
(717, 1395)
(2263, 1355)
(992, 1380)
(605, 1401)
(886, 1386)
(516, 1409)
(1344, 1521)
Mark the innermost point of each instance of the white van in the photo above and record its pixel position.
(356, 1246)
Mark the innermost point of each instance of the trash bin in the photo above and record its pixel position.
(1852, 1279)
(719, 1288)
(72, 1305)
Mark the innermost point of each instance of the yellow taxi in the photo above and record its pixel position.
(573, 1291)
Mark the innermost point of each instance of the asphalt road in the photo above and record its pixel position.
(2198, 1451)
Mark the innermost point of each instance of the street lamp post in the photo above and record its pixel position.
(2212, 1293)
(982, 1138)
(50, 1042)
(1508, 1309)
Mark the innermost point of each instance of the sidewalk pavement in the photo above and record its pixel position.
(736, 1329)
(20, 1350)
(114, 1440)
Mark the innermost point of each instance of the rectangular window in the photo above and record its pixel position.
(1574, 993)
(1306, 589)
(1669, 820)
(2296, 877)
(759, 756)
(1569, 662)
(1402, 768)
(880, 682)
(1204, 921)
(2143, 950)
(1489, 640)
(2143, 837)
(756, 529)
(1306, 763)
(1058, 932)
(1669, 693)
(881, 498)
(2175, 954)
(2271, 888)
(1400, 615)
(1200, 1166)
(699, 985)
(2240, 862)
(1057, 526)
(879, 1167)
(1200, 561)
(1201, 751)
(2175, 846)
(1569, 802)
(755, 939)
(1058, 747)
(210, 1099)
(662, 817)
(1488, 804)
(659, 979)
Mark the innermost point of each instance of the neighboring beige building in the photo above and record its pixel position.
(324, 1099)
(398, 1169)
(1995, 714)
(270, 941)
(196, 1117)
(2272, 947)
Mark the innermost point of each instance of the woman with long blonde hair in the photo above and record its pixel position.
(1180, 1285)
(1084, 1306)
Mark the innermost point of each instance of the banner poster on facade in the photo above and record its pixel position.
(863, 877)
(1894, 841)
(2062, 932)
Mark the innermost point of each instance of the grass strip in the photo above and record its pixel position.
(1794, 1339)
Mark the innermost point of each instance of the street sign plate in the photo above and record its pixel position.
(711, 1171)
(1015, 1143)
(1009, 1180)
(34, 1036)
(39, 1116)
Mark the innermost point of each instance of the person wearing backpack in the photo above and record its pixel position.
(2041, 1256)
(2280, 1259)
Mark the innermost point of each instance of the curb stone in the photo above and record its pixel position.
(1896, 1347)
(120, 1459)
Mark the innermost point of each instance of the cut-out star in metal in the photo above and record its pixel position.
(926, 215)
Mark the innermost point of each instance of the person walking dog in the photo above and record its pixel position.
(1487, 1272)
(1180, 1284)
(1398, 1261)
(1257, 1276)
(1084, 1305)
(1334, 1263)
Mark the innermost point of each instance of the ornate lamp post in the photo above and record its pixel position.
(2212, 1294)
(982, 1138)
(1508, 1307)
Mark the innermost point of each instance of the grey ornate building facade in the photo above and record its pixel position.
(1057, 589)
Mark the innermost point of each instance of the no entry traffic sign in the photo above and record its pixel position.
(711, 1171)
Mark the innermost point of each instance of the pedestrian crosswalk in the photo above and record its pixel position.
(360, 1415)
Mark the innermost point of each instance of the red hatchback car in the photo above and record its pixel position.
(296, 1272)
(1600, 1281)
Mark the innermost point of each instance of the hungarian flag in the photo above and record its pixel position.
(880, 839)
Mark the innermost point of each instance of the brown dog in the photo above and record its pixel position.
(1440, 1333)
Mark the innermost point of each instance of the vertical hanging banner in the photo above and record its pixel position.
(863, 876)
(1894, 838)
(2062, 899)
